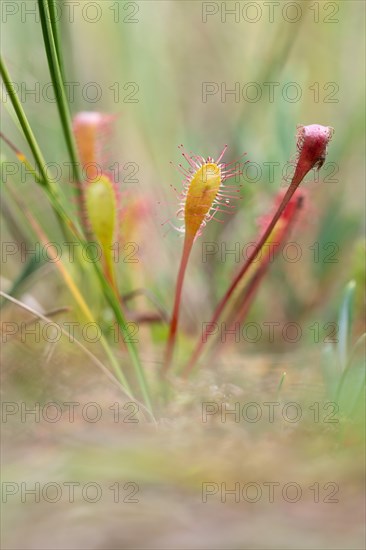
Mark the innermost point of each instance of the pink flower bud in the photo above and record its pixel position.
(312, 142)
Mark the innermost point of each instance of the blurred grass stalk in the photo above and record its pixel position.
(49, 24)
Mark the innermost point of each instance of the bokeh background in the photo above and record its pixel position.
(147, 62)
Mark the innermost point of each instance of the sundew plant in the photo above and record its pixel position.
(183, 268)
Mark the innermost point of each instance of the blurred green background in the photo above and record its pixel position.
(148, 62)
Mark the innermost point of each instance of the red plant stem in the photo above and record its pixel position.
(188, 243)
(299, 175)
(249, 293)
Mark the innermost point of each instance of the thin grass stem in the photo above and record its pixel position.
(49, 24)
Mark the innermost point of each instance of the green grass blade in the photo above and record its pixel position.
(56, 35)
(345, 323)
(39, 160)
(48, 23)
